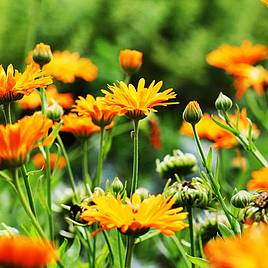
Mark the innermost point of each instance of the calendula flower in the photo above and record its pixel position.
(17, 140)
(14, 85)
(265, 2)
(247, 76)
(259, 180)
(135, 216)
(227, 56)
(245, 251)
(33, 101)
(79, 126)
(39, 161)
(101, 113)
(23, 252)
(42, 54)
(138, 103)
(130, 60)
(66, 66)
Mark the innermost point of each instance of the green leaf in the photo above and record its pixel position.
(209, 159)
(71, 256)
(225, 230)
(199, 262)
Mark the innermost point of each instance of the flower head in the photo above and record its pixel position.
(138, 103)
(192, 113)
(101, 113)
(130, 60)
(240, 251)
(42, 54)
(17, 140)
(135, 216)
(13, 84)
(259, 180)
(79, 126)
(39, 161)
(265, 2)
(24, 252)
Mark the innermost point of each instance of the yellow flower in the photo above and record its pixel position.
(23, 252)
(259, 180)
(17, 140)
(246, 251)
(13, 84)
(101, 114)
(135, 216)
(138, 103)
(265, 2)
(130, 60)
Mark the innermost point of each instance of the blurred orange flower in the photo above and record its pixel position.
(138, 103)
(39, 161)
(130, 60)
(33, 101)
(245, 251)
(79, 126)
(265, 2)
(17, 140)
(155, 134)
(23, 252)
(259, 180)
(226, 56)
(14, 85)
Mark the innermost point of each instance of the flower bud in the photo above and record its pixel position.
(54, 111)
(143, 193)
(223, 103)
(192, 113)
(42, 54)
(117, 186)
(241, 199)
(130, 60)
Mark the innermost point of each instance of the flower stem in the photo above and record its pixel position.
(43, 97)
(97, 179)
(127, 78)
(134, 182)
(86, 176)
(213, 183)
(181, 250)
(7, 112)
(119, 249)
(130, 247)
(191, 229)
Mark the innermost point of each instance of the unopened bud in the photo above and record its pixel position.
(42, 54)
(241, 199)
(192, 113)
(143, 193)
(223, 103)
(117, 186)
(130, 60)
(55, 111)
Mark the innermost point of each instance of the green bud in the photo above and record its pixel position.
(143, 193)
(42, 54)
(117, 186)
(241, 199)
(192, 113)
(223, 103)
(54, 111)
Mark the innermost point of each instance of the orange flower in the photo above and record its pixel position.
(135, 216)
(265, 2)
(247, 76)
(247, 251)
(259, 180)
(23, 252)
(226, 56)
(221, 138)
(17, 140)
(33, 101)
(13, 84)
(66, 66)
(155, 139)
(39, 161)
(101, 114)
(130, 60)
(79, 126)
(138, 103)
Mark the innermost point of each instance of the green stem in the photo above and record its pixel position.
(134, 182)
(106, 238)
(69, 169)
(191, 229)
(25, 204)
(181, 250)
(213, 183)
(97, 180)
(28, 189)
(86, 176)
(119, 249)
(7, 112)
(130, 247)
(127, 78)
(43, 97)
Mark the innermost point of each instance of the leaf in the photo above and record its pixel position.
(146, 236)
(225, 230)
(199, 262)
(209, 159)
(72, 254)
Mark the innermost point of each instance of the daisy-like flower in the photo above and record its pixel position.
(17, 140)
(135, 216)
(259, 180)
(245, 251)
(138, 103)
(33, 101)
(79, 126)
(23, 252)
(66, 66)
(227, 56)
(14, 85)
(39, 161)
(130, 60)
(101, 113)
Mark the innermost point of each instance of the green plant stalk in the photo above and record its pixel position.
(43, 98)
(69, 169)
(97, 179)
(181, 250)
(127, 78)
(86, 176)
(119, 249)
(130, 247)
(134, 182)
(213, 182)
(7, 112)
(191, 229)
(28, 189)
(106, 238)
(25, 204)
